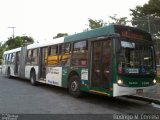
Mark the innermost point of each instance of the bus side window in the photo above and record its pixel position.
(13, 58)
(65, 54)
(80, 52)
(29, 57)
(34, 58)
(10, 58)
(6, 59)
(52, 55)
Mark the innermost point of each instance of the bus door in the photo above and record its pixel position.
(43, 59)
(17, 55)
(101, 63)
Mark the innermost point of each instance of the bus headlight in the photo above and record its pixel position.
(154, 81)
(120, 82)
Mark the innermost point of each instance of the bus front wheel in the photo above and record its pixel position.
(74, 86)
(33, 78)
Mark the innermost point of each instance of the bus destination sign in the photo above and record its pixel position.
(132, 35)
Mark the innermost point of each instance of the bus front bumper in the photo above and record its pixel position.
(120, 91)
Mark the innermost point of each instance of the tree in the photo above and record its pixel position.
(152, 8)
(120, 20)
(100, 23)
(17, 42)
(14, 43)
(95, 23)
(147, 17)
(1, 52)
(60, 35)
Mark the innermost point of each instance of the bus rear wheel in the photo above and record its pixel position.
(74, 86)
(33, 78)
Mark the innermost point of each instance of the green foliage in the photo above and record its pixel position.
(120, 21)
(147, 17)
(1, 52)
(95, 23)
(152, 8)
(17, 42)
(14, 43)
(60, 35)
(100, 23)
(158, 79)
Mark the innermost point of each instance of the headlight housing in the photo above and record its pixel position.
(120, 82)
(154, 81)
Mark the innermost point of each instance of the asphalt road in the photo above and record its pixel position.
(17, 96)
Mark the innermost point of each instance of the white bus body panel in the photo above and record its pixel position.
(46, 43)
(119, 90)
(28, 70)
(4, 69)
(11, 70)
(54, 76)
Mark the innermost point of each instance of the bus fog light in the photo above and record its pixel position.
(154, 81)
(120, 82)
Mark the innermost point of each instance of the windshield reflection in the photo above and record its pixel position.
(135, 58)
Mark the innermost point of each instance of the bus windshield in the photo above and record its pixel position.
(136, 58)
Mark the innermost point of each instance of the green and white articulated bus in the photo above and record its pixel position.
(114, 60)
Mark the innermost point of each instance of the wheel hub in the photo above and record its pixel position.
(74, 86)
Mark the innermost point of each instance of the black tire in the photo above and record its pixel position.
(74, 86)
(33, 78)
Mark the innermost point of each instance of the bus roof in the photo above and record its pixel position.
(38, 45)
(46, 43)
(106, 30)
(13, 50)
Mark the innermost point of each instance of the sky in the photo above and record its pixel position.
(43, 19)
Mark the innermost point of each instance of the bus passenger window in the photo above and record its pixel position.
(6, 59)
(35, 57)
(10, 59)
(13, 58)
(52, 55)
(80, 54)
(64, 55)
(29, 57)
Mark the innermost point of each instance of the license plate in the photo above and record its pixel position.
(133, 70)
(139, 91)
